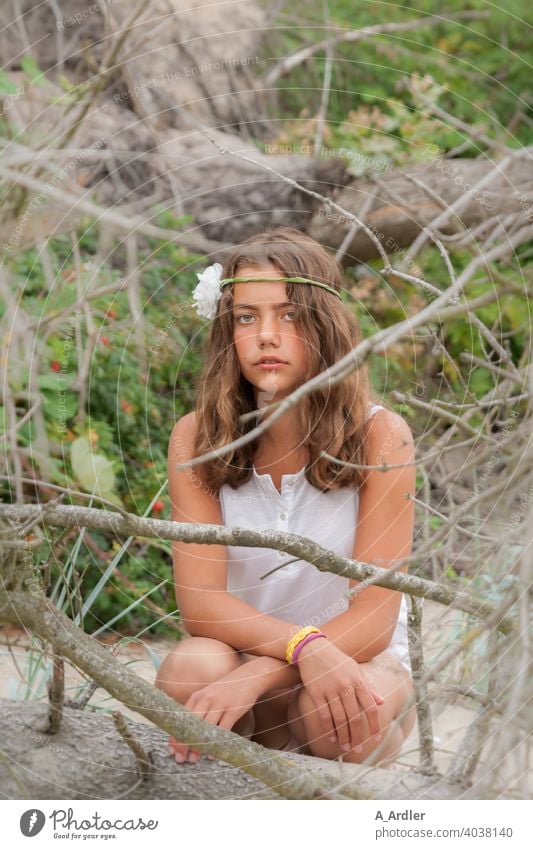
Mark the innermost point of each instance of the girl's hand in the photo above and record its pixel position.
(222, 703)
(345, 700)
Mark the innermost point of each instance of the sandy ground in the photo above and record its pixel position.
(452, 713)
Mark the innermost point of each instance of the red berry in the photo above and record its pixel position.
(112, 313)
(158, 506)
(56, 366)
(104, 340)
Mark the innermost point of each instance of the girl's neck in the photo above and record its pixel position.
(280, 449)
(282, 437)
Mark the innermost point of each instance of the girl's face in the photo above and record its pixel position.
(264, 325)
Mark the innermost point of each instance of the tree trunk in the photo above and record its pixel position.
(408, 199)
(89, 759)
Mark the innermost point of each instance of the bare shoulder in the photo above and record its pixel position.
(187, 489)
(197, 566)
(186, 424)
(390, 438)
(182, 437)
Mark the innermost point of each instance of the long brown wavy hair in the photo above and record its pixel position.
(332, 418)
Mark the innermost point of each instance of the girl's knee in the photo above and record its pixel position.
(193, 663)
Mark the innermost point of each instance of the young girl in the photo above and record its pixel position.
(286, 658)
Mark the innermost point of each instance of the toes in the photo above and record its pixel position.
(181, 752)
(177, 750)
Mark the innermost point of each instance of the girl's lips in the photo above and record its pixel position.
(270, 366)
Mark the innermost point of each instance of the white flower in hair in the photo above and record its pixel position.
(207, 293)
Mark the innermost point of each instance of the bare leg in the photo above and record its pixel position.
(194, 663)
(270, 714)
(393, 681)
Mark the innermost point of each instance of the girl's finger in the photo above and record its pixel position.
(197, 704)
(379, 699)
(214, 716)
(173, 745)
(370, 709)
(179, 752)
(340, 719)
(191, 701)
(324, 714)
(355, 723)
(198, 709)
(227, 720)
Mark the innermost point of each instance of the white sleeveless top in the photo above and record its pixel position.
(299, 592)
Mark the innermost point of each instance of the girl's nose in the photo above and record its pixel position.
(268, 328)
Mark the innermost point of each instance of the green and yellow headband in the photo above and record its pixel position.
(209, 289)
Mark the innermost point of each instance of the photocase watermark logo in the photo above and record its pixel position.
(65, 824)
(32, 822)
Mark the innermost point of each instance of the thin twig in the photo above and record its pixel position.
(423, 707)
(143, 759)
(56, 693)
(324, 99)
(130, 224)
(354, 36)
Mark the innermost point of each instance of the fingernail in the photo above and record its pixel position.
(346, 747)
(179, 757)
(358, 748)
(333, 739)
(194, 758)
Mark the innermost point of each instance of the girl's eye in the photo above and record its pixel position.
(248, 315)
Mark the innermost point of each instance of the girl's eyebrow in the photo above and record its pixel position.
(252, 307)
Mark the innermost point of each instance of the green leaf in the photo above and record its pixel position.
(94, 471)
(59, 407)
(79, 449)
(112, 496)
(57, 381)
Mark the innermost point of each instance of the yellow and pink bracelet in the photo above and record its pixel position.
(298, 641)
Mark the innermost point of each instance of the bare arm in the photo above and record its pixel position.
(384, 535)
(200, 570)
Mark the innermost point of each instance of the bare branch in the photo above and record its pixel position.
(353, 36)
(301, 547)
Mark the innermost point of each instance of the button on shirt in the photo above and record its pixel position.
(298, 592)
